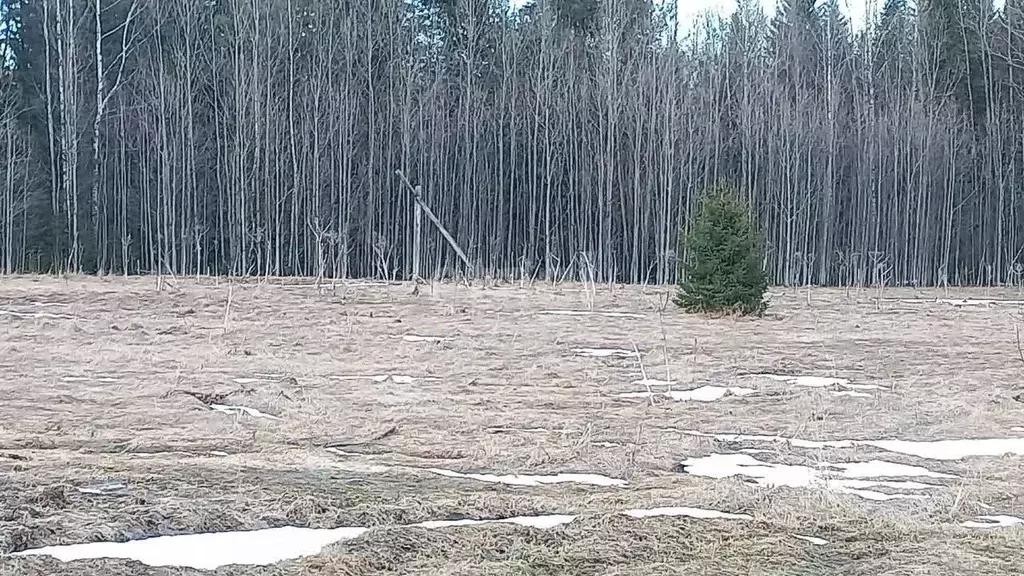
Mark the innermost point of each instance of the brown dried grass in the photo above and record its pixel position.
(505, 395)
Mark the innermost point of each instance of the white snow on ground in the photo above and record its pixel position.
(807, 381)
(378, 378)
(604, 352)
(685, 511)
(542, 522)
(993, 522)
(952, 449)
(589, 313)
(849, 481)
(811, 539)
(652, 382)
(932, 450)
(702, 394)
(517, 480)
(209, 551)
(236, 410)
(415, 338)
(845, 388)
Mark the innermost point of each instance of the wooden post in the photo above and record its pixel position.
(417, 218)
(430, 214)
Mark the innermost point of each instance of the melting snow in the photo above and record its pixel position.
(933, 450)
(517, 480)
(702, 394)
(811, 539)
(808, 381)
(993, 522)
(852, 393)
(850, 482)
(605, 352)
(652, 382)
(542, 522)
(211, 550)
(952, 449)
(589, 313)
(415, 338)
(685, 511)
(236, 410)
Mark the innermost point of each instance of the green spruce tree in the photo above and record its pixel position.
(722, 271)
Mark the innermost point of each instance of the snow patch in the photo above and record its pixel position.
(208, 551)
(542, 522)
(415, 338)
(379, 378)
(851, 393)
(685, 511)
(652, 382)
(811, 539)
(993, 522)
(518, 480)
(952, 449)
(702, 394)
(604, 352)
(806, 381)
(931, 450)
(589, 313)
(771, 475)
(238, 410)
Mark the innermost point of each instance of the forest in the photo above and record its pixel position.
(561, 139)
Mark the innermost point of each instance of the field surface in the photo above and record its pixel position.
(133, 409)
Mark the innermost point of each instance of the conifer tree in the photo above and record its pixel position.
(722, 271)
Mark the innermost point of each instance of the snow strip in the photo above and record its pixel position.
(589, 313)
(208, 551)
(1017, 429)
(807, 381)
(212, 550)
(517, 480)
(702, 394)
(932, 450)
(542, 522)
(652, 382)
(811, 539)
(379, 378)
(851, 393)
(415, 338)
(772, 475)
(236, 410)
(685, 511)
(993, 522)
(604, 352)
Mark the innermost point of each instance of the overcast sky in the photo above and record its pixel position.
(688, 9)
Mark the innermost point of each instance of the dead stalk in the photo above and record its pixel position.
(227, 307)
(1020, 351)
(643, 373)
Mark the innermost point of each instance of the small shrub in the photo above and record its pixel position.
(722, 271)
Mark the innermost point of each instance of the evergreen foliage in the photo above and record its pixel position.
(722, 271)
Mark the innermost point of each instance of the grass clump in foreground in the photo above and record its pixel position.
(722, 272)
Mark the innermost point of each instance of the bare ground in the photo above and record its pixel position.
(105, 379)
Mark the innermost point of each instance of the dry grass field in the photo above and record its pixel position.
(362, 389)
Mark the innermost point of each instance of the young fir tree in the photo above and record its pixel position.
(722, 271)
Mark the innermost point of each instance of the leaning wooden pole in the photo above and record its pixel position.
(418, 198)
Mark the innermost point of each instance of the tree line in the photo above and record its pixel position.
(560, 139)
